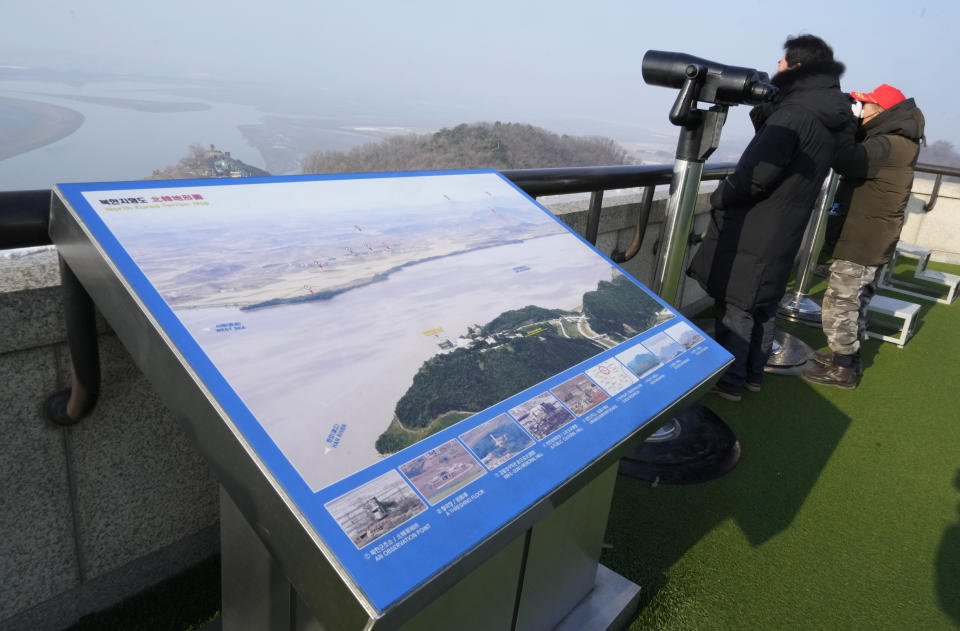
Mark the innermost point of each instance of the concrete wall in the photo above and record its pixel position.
(618, 222)
(938, 229)
(94, 513)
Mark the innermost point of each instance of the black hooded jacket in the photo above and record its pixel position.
(878, 176)
(761, 210)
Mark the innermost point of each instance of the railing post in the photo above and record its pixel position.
(593, 216)
(933, 194)
(69, 406)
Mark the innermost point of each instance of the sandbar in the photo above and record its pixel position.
(27, 125)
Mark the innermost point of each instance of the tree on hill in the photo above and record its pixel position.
(476, 379)
(620, 308)
(516, 318)
(942, 153)
(477, 146)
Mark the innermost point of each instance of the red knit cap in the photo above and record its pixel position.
(886, 96)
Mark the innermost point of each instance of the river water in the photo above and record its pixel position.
(118, 142)
(306, 369)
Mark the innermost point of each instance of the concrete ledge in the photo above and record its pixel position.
(37, 548)
(119, 584)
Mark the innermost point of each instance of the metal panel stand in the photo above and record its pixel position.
(254, 591)
(562, 563)
(527, 586)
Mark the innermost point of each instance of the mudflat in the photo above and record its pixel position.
(26, 125)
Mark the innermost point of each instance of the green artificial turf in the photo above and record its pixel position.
(843, 512)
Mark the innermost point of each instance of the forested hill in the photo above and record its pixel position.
(516, 350)
(477, 146)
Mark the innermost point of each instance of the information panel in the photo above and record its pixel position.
(417, 358)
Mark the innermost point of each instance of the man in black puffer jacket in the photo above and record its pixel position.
(877, 177)
(760, 212)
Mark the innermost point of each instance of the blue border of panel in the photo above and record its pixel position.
(391, 566)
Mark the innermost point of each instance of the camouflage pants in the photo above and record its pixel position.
(844, 305)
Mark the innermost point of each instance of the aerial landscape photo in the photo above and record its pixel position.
(663, 346)
(443, 295)
(639, 360)
(542, 415)
(375, 508)
(685, 335)
(580, 394)
(442, 471)
(497, 440)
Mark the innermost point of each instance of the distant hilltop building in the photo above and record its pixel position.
(207, 163)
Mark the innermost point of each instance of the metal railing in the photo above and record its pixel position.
(24, 215)
(596, 180)
(940, 171)
(24, 222)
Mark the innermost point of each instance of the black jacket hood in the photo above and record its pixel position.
(816, 87)
(786, 78)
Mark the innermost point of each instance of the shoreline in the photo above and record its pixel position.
(36, 124)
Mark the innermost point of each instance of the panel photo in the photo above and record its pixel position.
(442, 294)
(370, 511)
(639, 360)
(442, 471)
(580, 394)
(612, 376)
(663, 346)
(685, 335)
(542, 415)
(497, 441)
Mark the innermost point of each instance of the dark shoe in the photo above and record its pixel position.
(845, 377)
(723, 393)
(752, 387)
(824, 359)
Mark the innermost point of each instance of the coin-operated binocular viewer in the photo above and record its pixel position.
(696, 445)
(699, 80)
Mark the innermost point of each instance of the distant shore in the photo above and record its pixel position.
(27, 125)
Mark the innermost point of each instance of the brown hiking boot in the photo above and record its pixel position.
(846, 377)
(824, 359)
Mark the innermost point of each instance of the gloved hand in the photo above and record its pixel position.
(857, 108)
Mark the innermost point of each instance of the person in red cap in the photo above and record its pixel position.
(877, 177)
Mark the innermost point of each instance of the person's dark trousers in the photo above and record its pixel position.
(748, 336)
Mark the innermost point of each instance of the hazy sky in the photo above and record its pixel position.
(568, 66)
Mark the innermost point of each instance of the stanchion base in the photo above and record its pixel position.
(802, 310)
(788, 353)
(702, 448)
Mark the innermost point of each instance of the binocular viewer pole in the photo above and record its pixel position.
(696, 445)
(699, 138)
(698, 80)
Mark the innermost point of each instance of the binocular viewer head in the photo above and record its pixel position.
(718, 83)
